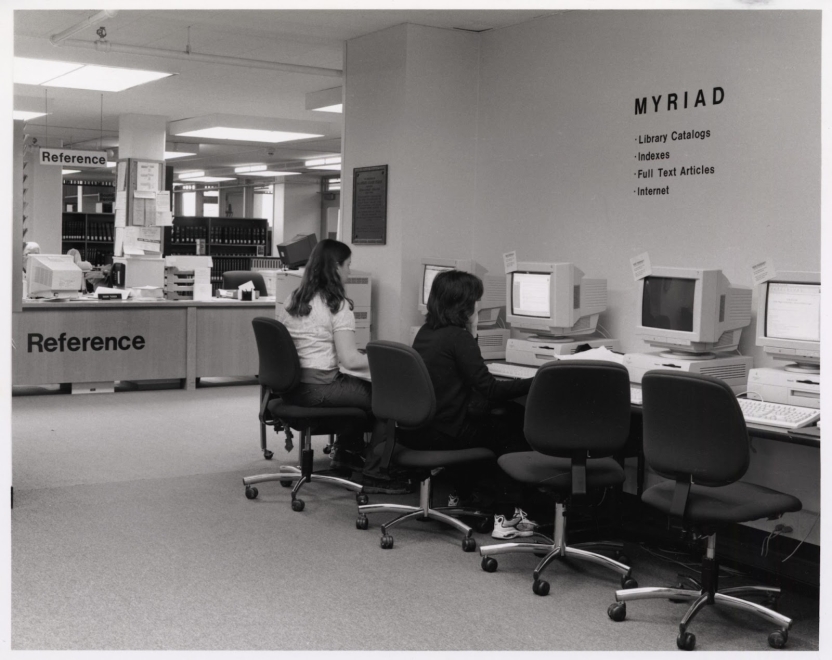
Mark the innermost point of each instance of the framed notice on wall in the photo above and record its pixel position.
(369, 205)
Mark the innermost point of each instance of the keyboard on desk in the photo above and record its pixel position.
(504, 370)
(777, 414)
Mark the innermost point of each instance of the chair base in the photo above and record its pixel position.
(706, 593)
(556, 548)
(444, 514)
(288, 474)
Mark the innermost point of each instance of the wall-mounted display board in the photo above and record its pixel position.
(369, 205)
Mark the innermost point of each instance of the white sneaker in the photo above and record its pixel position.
(453, 499)
(508, 529)
(522, 521)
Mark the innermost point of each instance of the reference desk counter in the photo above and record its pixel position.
(90, 341)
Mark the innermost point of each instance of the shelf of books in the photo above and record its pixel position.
(91, 234)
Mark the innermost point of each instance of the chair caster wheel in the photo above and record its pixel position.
(628, 582)
(268, 454)
(541, 587)
(386, 542)
(468, 544)
(286, 483)
(361, 498)
(484, 525)
(686, 641)
(362, 522)
(251, 492)
(328, 449)
(778, 639)
(617, 611)
(489, 564)
(297, 505)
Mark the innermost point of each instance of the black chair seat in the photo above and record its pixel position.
(404, 457)
(734, 503)
(555, 474)
(321, 421)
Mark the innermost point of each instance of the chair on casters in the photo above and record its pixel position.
(695, 435)
(577, 416)
(231, 279)
(280, 373)
(403, 398)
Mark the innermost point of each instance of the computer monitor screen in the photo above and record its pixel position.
(554, 300)
(530, 294)
(429, 274)
(691, 311)
(53, 276)
(668, 303)
(295, 252)
(793, 311)
(788, 319)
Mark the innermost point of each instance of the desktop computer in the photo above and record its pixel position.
(698, 317)
(53, 276)
(559, 305)
(296, 251)
(788, 329)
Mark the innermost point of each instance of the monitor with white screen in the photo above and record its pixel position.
(788, 319)
(53, 276)
(554, 300)
(691, 311)
(432, 266)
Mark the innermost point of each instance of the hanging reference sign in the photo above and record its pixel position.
(72, 157)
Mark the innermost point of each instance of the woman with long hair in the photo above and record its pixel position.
(320, 319)
(465, 394)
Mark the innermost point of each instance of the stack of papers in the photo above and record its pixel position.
(601, 353)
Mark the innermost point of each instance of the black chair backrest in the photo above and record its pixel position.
(279, 362)
(231, 279)
(402, 389)
(578, 404)
(693, 426)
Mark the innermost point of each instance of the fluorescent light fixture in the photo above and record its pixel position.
(248, 129)
(191, 174)
(26, 116)
(334, 168)
(105, 78)
(326, 100)
(169, 155)
(29, 71)
(70, 171)
(333, 163)
(210, 179)
(250, 168)
(111, 163)
(271, 173)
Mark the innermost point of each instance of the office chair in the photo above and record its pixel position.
(577, 417)
(279, 373)
(231, 279)
(403, 398)
(695, 435)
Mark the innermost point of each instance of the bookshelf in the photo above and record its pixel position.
(89, 233)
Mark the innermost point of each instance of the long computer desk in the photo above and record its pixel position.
(89, 341)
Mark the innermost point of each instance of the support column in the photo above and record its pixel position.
(142, 136)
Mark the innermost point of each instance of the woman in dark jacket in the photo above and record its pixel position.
(466, 391)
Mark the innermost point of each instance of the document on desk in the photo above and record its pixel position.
(363, 374)
(600, 353)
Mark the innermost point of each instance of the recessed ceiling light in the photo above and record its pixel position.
(334, 168)
(325, 100)
(105, 78)
(25, 115)
(210, 179)
(169, 155)
(191, 174)
(338, 107)
(28, 71)
(333, 163)
(270, 173)
(248, 134)
(70, 171)
(250, 168)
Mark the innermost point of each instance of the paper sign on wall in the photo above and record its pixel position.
(763, 271)
(510, 261)
(164, 218)
(641, 266)
(147, 177)
(141, 240)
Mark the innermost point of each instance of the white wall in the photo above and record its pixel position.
(44, 195)
(558, 138)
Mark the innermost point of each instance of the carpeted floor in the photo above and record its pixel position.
(130, 530)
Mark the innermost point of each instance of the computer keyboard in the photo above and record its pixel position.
(778, 414)
(504, 370)
(635, 395)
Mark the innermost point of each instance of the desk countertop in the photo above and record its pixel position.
(44, 305)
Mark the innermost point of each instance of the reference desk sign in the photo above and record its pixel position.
(74, 157)
(369, 205)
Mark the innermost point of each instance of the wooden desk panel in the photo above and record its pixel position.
(225, 344)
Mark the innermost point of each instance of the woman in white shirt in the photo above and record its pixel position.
(319, 317)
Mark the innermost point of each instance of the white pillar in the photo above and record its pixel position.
(142, 136)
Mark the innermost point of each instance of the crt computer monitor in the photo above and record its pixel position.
(788, 319)
(691, 311)
(53, 276)
(431, 267)
(295, 252)
(554, 300)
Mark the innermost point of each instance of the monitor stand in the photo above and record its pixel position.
(733, 369)
(535, 351)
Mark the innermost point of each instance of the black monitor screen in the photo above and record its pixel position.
(667, 303)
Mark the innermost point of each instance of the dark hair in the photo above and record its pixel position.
(453, 295)
(321, 278)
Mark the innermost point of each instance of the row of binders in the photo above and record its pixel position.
(222, 264)
(78, 230)
(220, 235)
